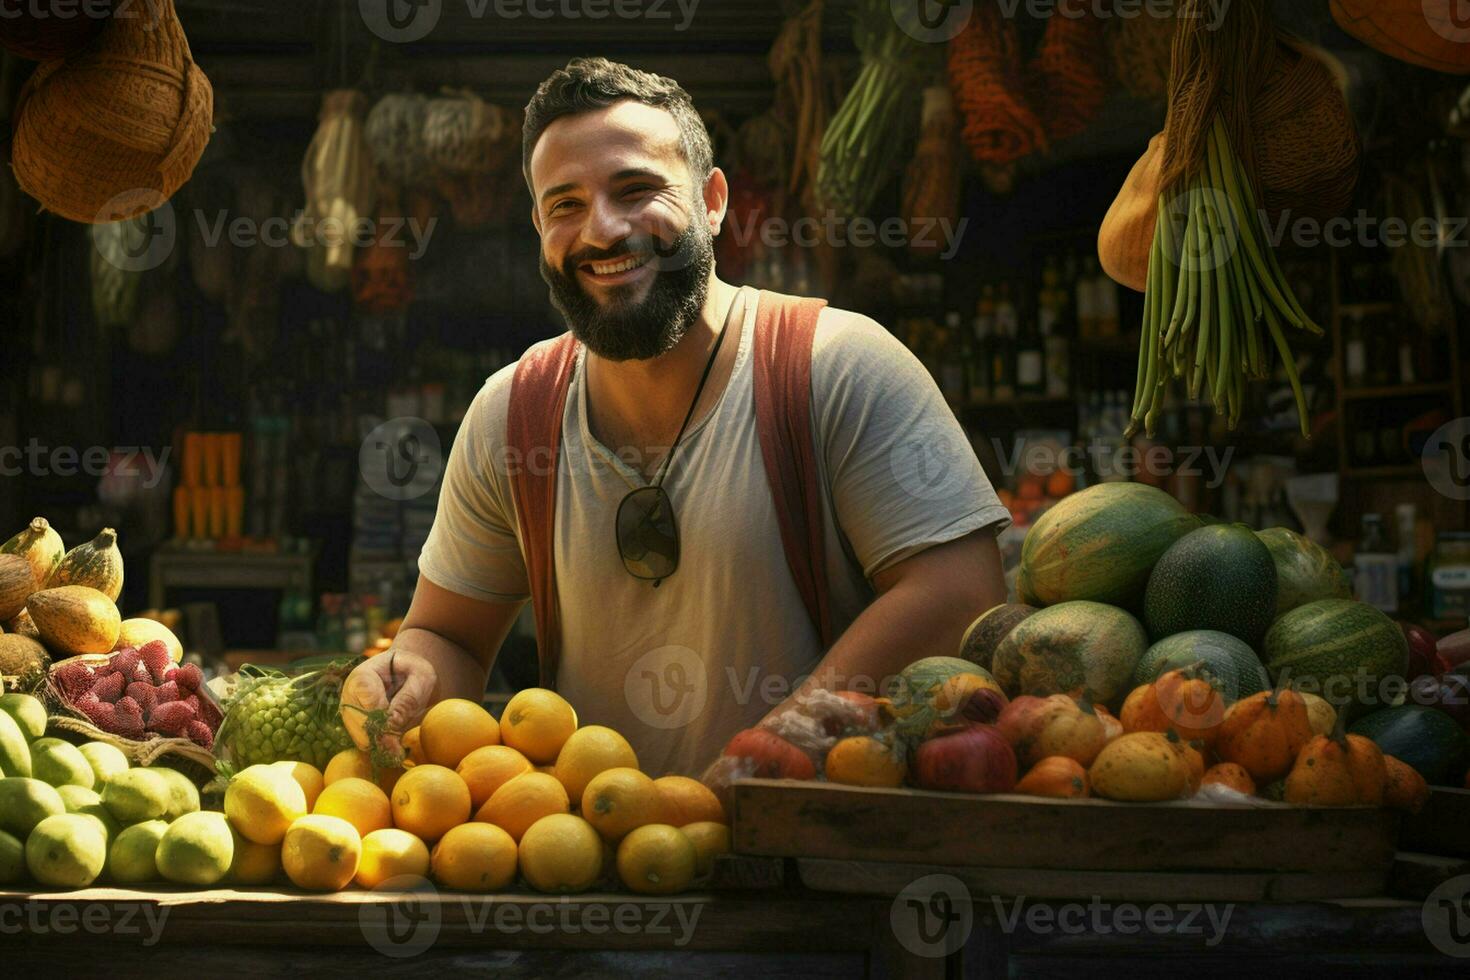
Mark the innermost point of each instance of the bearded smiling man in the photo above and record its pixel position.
(753, 494)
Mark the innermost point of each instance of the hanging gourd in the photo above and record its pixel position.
(337, 174)
(1421, 32)
(41, 32)
(114, 130)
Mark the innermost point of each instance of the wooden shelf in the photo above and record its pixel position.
(1397, 391)
(1403, 471)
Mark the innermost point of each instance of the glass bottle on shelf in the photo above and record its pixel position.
(979, 374)
(1355, 354)
(1030, 362)
(952, 364)
(1002, 351)
(1376, 567)
(1105, 300)
(1086, 305)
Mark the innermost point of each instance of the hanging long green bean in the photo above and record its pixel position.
(1213, 287)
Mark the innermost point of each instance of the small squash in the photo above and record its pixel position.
(97, 564)
(22, 624)
(774, 757)
(1140, 767)
(1338, 770)
(1187, 701)
(40, 546)
(1054, 725)
(1264, 734)
(1321, 715)
(1405, 787)
(75, 619)
(1056, 776)
(17, 582)
(1232, 775)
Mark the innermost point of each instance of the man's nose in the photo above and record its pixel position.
(607, 224)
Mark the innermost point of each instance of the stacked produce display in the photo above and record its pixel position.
(1154, 655)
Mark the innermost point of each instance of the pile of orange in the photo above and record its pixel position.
(481, 802)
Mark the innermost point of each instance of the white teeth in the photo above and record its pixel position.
(613, 268)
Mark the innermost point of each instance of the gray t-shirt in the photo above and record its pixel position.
(680, 668)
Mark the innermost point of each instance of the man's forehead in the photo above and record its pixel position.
(627, 126)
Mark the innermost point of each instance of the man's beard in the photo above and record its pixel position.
(626, 330)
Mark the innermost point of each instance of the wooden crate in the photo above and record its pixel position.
(850, 838)
(1435, 844)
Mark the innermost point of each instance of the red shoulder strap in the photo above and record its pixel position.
(538, 398)
(784, 329)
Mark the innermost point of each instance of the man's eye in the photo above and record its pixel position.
(562, 206)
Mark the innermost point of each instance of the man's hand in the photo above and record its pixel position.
(404, 683)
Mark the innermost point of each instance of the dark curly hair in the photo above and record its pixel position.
(589, 84)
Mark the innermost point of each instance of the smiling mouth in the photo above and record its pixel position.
(615, 268)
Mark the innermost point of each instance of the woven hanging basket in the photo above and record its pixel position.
(462, 134)
(46, 32)
(395, 133)
(1306, 152)
(115, 130)
(1421, 32)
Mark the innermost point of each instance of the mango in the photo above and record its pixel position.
(183, 795)
(60, 763)
(106, 760)
(254, 864)
(27, 711)
(79, 799)
(15, 752)
(197, 849)
(12, 859)
(25, 802)
(67, 851)
(131, 859)
(137, 794)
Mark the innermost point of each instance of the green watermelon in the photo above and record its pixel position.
(1305, 572)
(920, 679)
(1099, 544)
(1219, 577)
(1426, 739)
(1082, 648)
(1341, 649)
(995, 624)
(1235, 666)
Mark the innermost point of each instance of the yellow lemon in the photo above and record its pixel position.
(537, 723)
(355, 762)
(522, 801)
(620, 800)
(357, 801)
(475, 857)
(321, 853)
(254, 864)
(262, 801)
(453, 729)
(709, 839)
(589, 751)
(488, 768)
(429, 800)
(308, 777)
(687, 801)
(413, 750)
(656, 860)
(390, 853)
(561, 853)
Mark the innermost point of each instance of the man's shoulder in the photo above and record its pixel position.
(485, 418)
(850, 346)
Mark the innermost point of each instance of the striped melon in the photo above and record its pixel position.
(995, 624)
(1233, 663)
(1342, 649)
(1100, 544)
(1087, 649)
(1305, 571)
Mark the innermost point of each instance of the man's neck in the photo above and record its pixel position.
(646, 400)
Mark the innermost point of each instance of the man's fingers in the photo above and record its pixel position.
(413, 697)
(363, 691)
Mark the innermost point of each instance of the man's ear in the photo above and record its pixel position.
(716, 199)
